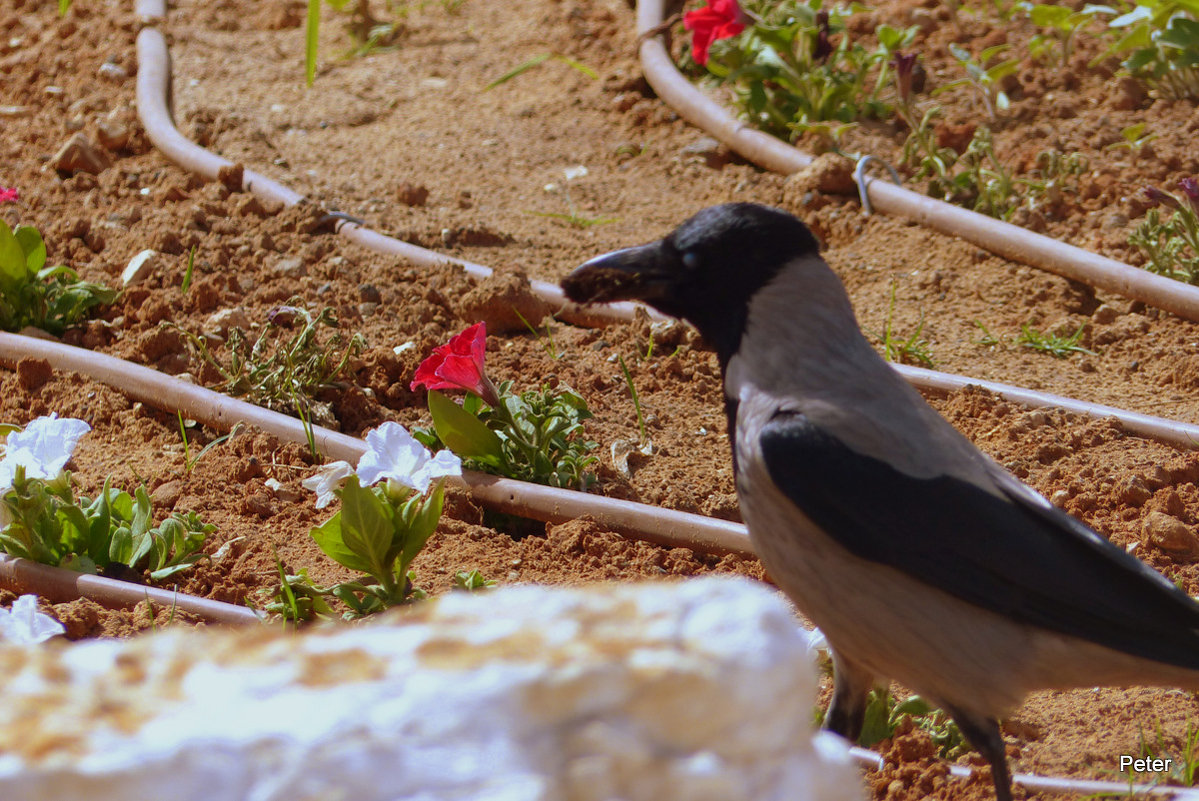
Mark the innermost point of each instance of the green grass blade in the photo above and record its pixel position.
(578, 65)
(525, 67)
(310, 40)
(187, 275)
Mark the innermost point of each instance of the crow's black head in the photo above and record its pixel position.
(706, 271)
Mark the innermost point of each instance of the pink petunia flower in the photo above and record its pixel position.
(8, 195)
(720, 19)
(459, 365)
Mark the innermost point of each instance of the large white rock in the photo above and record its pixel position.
(692, 690)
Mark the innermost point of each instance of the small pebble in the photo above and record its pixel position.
(139, 268)
(220, 322)
(78, 154)
(1169, 534)
(1134, 491)
(112, 72)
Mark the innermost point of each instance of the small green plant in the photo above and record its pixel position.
(628, 379)
(537, 61)
(390, 507)
(1135, 137)
(546, 340)
(472, 581)
(110, 534)
(1183, 765)
(788, 76)
(1059, 345)
(1054, 179)
(976, 178)
(913, 350)
(1172, 246)
(986, 80)
(533, 436)
(32, 294)
(573, 217)
(369, 33)
(280, 371)
(1159, 41)
(187, 273)
(987, 339)
(1063, 25)
(884, 713)
(189, 463)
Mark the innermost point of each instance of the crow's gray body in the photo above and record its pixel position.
(919, 558)
(879, 621)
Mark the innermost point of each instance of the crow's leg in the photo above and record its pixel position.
(851, 686)
(983, 733)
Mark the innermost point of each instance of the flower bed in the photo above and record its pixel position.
(644, 168)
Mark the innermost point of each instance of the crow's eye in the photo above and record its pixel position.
(691, 261)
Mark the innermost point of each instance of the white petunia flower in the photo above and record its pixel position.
(24, 625)
(393, 454)
(327, 480)
(44, 447)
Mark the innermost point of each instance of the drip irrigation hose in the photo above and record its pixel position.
(152, 90)
(153, 81)
(1171, 432)
(59, 585)
(535, 501)
(1004, 239)
(870, 759)
(531, 500)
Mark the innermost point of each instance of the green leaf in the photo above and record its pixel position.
(141, 537)
(519, 69)
(13, 270)
(76, 529)
(876, 722)
(366, 527)
(33, 247)
(120, 546)
(462, 432)
(170, 570)
(311, 34)
(328, 538)
(1049, 16)
(913, 705)
(121, 505)
(423, 524)
(14, 547)
(80, 564)
(1183, 34)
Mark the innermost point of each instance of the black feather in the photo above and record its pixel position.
(1007, 554)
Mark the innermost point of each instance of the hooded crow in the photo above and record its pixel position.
(919, 557)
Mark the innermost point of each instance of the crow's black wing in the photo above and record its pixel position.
(1008, 554)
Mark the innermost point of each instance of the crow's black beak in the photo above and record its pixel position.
(639, 273)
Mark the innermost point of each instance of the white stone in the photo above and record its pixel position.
(672, 690)
(112, 72)
(219, 322)
(139, 268)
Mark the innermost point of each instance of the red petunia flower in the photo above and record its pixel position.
(720, 19)
(458, 364)
(8, 195)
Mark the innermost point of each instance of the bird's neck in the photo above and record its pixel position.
(800, 336)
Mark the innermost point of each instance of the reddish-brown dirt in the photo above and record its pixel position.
(410, 140)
